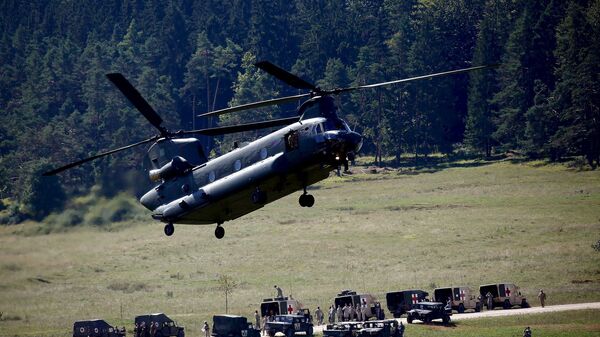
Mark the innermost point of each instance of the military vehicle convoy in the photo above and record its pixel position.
(428, 311)
(504, 295)
(233, 326)
(156, 325)
(399, 302)
(461, 298)
(96, 328)
(289, 325)
(350, 297)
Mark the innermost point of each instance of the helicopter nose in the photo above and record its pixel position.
(354, 141)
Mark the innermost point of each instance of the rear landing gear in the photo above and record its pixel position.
(169, 229)
(219, 231)
(306, 200)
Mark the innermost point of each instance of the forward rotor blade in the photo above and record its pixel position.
(242, 127)
(445, 73)
(77, 163)
(255, 105)
(137, 100)
(285, 76)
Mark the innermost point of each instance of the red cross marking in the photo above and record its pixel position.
(462, 295)
(507, 292)
(415, 298)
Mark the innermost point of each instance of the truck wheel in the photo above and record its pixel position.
(524, 304)
(409, 319)
(506, 304)
(427, 319)
(396, 315)
(477, 307)
(446, 319)
(310, 331)
(461, 308)
(289, 333)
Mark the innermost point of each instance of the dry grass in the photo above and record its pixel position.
(529, 224)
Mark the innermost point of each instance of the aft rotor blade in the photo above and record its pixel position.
(221, 130)
(79, 162)
(285, 76)
(423, 77)
(137, 100)
(255, 105)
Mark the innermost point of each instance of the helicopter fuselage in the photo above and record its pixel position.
(249, 177)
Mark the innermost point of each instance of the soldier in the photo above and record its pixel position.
(143, 329)
(153, 329)
(257, 319)
(480, 302)
(527, 332)
(279, 292)
(378, 313)
(542, 297)
(346, 312)
(319, 314)
(206, 329)
(490, 300)
(401, 330)
(340, 313)
(264, 324)
(331, 315)
(352, 314)
(136, 332)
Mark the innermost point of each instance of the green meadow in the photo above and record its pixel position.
(465, 223)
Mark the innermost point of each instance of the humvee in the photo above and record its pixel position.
(462, 298)
(342, 329)
(399, 302)
(349, 297)
(428, 311)
(383, 328)
(96, 328)
(279, 306)
(233, 326)
(156, 325)
(504, 294)
(289, 325)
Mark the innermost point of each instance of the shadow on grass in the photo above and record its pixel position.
(433, 164)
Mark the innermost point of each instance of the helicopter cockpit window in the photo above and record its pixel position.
(211, 176)
(335, 124)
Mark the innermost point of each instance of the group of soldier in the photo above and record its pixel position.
(142, 330)
(359, 312)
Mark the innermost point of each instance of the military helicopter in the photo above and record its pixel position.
(191, 189)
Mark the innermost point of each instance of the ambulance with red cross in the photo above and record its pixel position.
(462, 298)
(504, 295)
(399, 302)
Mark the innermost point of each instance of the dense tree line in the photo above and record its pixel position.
(189, 57)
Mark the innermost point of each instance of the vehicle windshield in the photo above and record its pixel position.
(284, 319)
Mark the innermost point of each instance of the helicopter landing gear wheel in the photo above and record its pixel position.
(306, 200)
(219, 232)
(169, 229)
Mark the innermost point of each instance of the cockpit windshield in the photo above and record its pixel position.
(332, 124)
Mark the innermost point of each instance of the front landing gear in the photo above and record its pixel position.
(169, 229)
(219, 231)
(306, 200)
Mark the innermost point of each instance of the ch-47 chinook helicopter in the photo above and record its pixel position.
(194, 190)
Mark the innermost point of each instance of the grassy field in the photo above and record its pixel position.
(473, 223)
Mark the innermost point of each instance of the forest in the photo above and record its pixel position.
(191, 57)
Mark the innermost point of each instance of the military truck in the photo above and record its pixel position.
(96, 328)
(504, 295)
(233, 326)
(156, 325)
(289, 325)
(350, 297)
(399, 302)
(461, 298)
(428, 311)
(279, 306)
